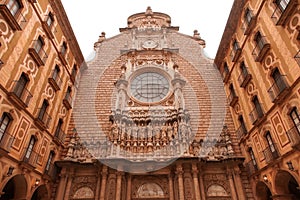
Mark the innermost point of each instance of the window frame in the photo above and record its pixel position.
(4, 125)
(15, 7)
(295, 119)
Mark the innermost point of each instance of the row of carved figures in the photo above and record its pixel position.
(208, 148)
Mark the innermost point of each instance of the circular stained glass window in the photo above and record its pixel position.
(149, 87)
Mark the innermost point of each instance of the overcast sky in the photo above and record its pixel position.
(91, 17)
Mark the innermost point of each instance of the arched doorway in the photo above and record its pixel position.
(286, 184)
(41, 193)
(263, 192)
(15, 188)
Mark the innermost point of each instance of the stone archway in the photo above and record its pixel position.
(286, 186)
(15, 188)
(263, 192)
(41, 193)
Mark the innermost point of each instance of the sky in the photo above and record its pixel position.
(91, 17)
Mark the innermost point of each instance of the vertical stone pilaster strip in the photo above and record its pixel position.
(231, 183)
(103, 182)
(97, 195)
(128, 193)
(68, 188)
(196, 181)
(179, 172)
(171, 189)
(203, 196)
(238, 183)
(61, 186)
(119, 185)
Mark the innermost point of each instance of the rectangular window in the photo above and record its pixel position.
(63, 48)
(39, 44)
(248, 16)
(278, 80)
(282, 4)
(4, 123)
(29, 148)
(257, 107)
(20, 86)
(43, 110)
(295, 118)
(14, 6)
(50, 158)
(50, 19)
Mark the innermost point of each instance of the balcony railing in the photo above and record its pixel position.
(282, 13)
(256, 114)
(241, 131)
(248, 26)
(43, 119)
(40, 57)
(19, 95)
(6, 142)
(30, 158)
(244, 78)
(55, 81)
(68, 101)
(276, 91)
(232, 99)
(294, 135)
(59, 135)
(251, 168)
(16, 22)
(261, 49)
(271, 153)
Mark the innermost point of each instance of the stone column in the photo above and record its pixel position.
(196, 181)
(202, 189)
(62, 185)
(68, 188)
(128, 193)
(98, 186)
(171, 190)
(103, 182)
(179, 172)
(119, 185)
(231, 183)
(238, 183)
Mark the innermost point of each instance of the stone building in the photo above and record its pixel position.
(153, 117)
(39, 60)
(151, 121)
(259, 58)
